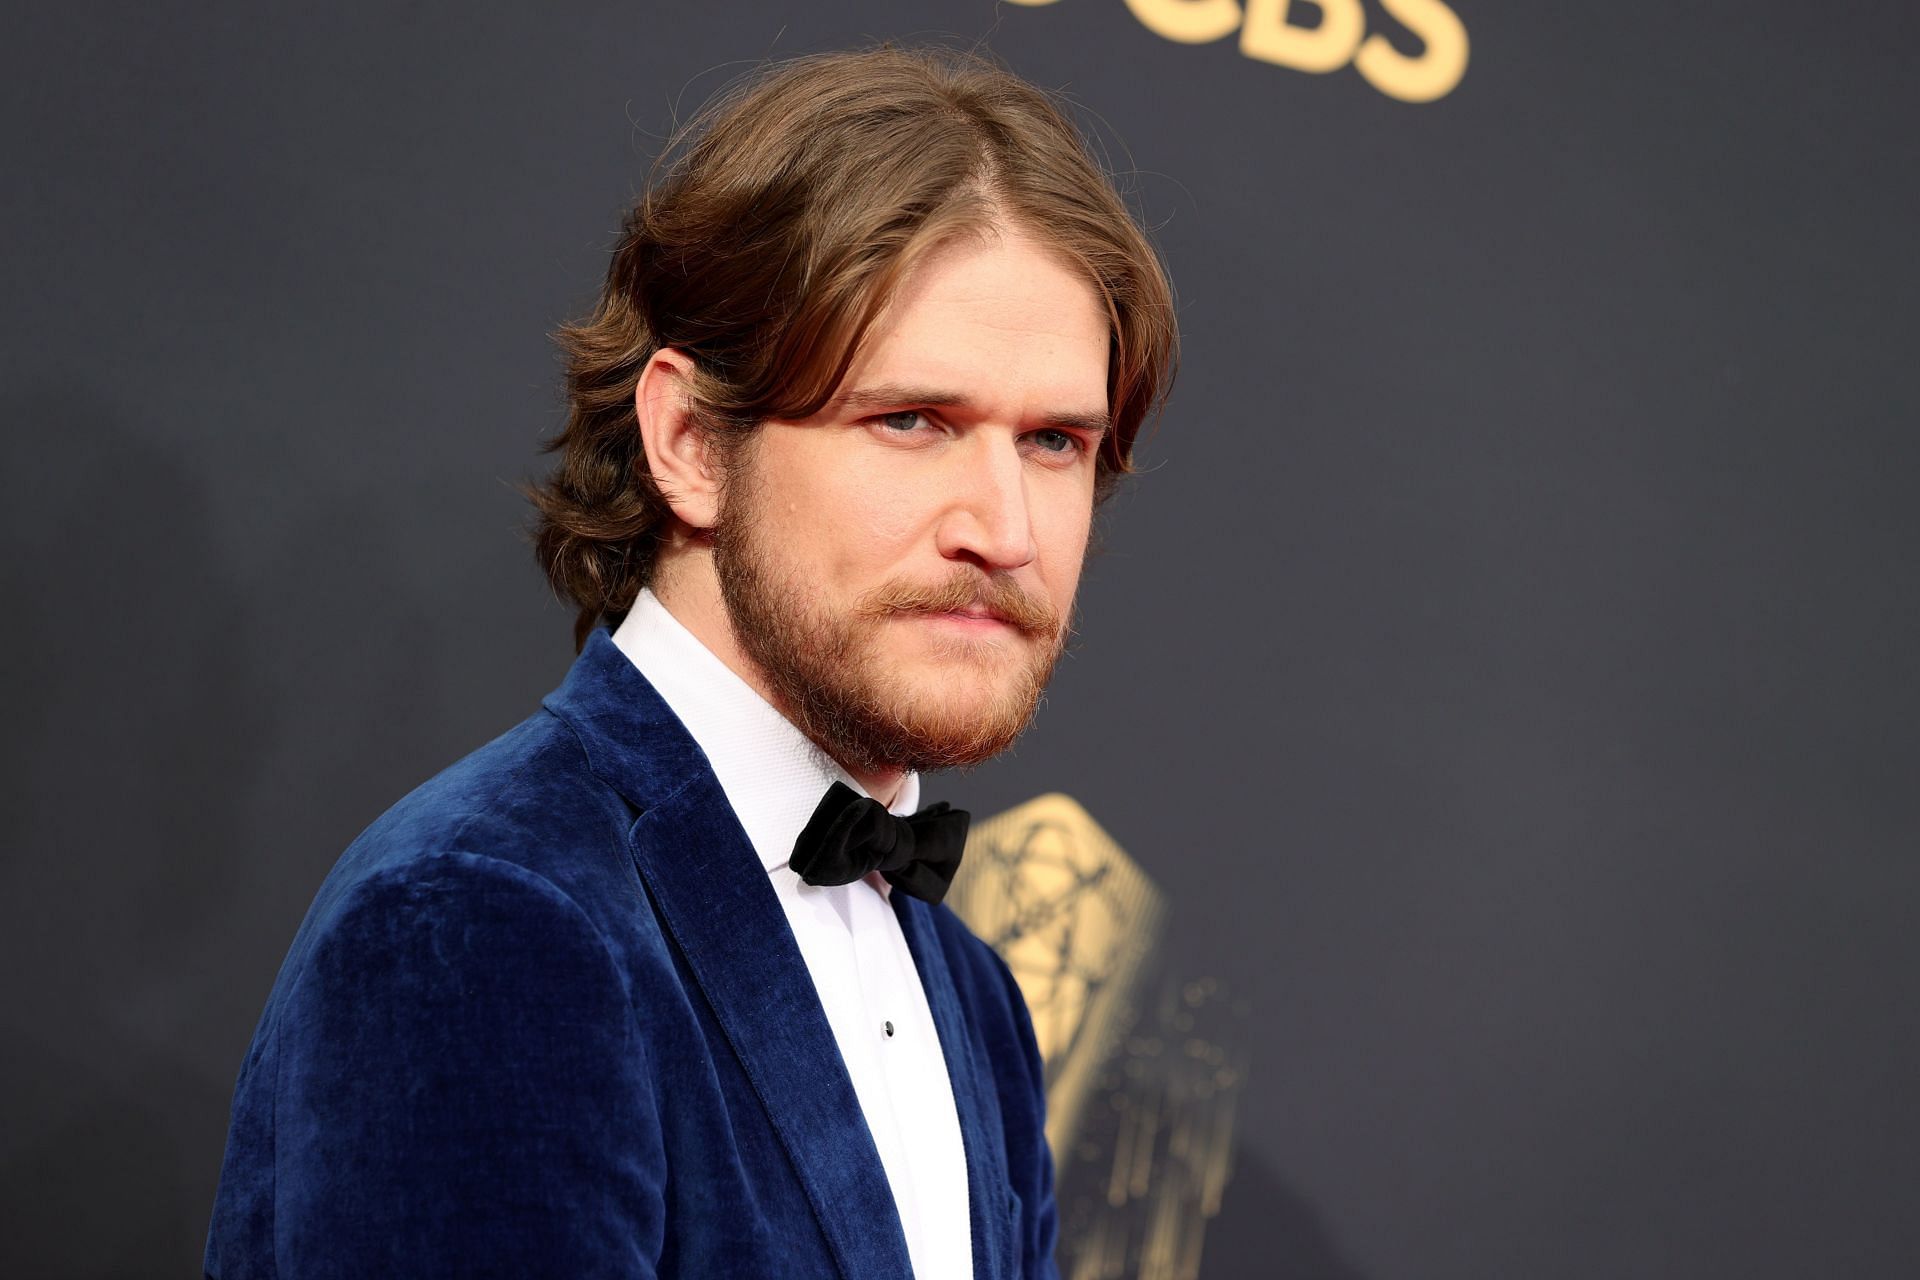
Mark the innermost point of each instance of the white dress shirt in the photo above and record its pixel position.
(848, 934)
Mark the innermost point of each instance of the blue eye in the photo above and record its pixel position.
(903, 421)
(1056, 441)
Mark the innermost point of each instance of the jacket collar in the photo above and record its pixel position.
(772, 774)
(714, 900)
(989, 1185)
(633, 741)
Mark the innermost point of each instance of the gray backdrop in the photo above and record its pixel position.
(1506, 666)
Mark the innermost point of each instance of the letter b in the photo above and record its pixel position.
(1268, 36)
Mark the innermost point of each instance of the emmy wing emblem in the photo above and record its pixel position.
(1142, 1067)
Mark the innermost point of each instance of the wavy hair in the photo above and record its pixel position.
(778, 224)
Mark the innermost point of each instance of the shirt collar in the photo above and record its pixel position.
(774, 776)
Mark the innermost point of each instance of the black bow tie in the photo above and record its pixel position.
(850, 835)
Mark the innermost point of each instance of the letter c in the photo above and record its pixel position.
(1188, 21)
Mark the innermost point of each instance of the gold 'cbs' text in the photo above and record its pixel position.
(1338, 38)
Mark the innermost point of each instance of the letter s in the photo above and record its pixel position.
(1431, 75)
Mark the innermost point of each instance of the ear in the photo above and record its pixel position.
(677, 453)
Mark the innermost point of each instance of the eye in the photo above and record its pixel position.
(902, 422)
(1055, 441)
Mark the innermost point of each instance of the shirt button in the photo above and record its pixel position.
(889, 1028)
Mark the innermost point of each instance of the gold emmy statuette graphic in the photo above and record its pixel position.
(1143, 1069)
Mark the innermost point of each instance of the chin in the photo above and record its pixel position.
(979, 722)
(955, 691)
(967, 663)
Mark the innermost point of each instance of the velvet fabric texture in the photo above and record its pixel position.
(546, 1018)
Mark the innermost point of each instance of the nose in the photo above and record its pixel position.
(986, 521)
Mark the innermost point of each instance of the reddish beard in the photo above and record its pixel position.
(826, 672)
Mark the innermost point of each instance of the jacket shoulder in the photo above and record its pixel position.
(451, 1047)
(527, 799)
(487, 931)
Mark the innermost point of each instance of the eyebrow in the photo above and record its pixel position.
(894, 396)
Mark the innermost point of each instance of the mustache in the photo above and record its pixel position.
(998, 594)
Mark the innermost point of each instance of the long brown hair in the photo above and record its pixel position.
(779, 222)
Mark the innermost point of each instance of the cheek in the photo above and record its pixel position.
(874, 521)
(877, 516)
(1061, 532)
(798, 475)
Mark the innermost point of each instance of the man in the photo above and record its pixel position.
(652, 985)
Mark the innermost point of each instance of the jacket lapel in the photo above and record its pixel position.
(974, 1096)
(715, 900)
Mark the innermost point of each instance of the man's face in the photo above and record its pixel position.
(902, 565)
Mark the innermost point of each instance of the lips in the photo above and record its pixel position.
(977, 617)
(966, 600)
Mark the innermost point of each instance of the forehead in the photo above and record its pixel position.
(998, 314)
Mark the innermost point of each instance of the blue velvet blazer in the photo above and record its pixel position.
(546, 1018)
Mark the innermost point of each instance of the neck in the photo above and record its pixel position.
(688, 587)
(884, 787)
